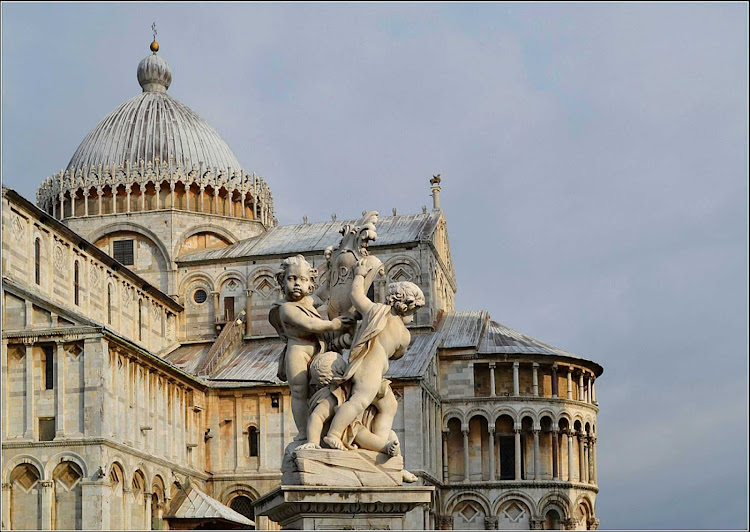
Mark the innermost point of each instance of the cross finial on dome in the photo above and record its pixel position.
(154, 45)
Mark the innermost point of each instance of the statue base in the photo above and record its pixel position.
(338, 508)
(330, 467)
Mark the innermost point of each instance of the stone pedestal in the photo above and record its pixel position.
(342, 508)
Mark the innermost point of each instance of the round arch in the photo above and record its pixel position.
(478, 411)
(65, 456)
(514, 496)
(119, 462)
(256, 275)
(236, 490)
(227, 275)
(225, 234)
(472, 496)
(193, 277)
(14, 462)
(556, 500)
(504, 411)
(527, 412)
(393, 262)
(453, 414)
(133, 228)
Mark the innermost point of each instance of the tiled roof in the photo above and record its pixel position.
(192, 503)
(302, 238)
(463, 328)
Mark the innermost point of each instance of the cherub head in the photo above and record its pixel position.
(296, 278)
(405, 298)
(325, 367)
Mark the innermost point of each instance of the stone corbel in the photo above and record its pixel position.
(593, 523)
(490, 523)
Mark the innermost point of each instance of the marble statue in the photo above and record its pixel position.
(298, 323)
(344, 404)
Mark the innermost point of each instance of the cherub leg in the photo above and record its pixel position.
(320, 414)
(364, 390)
(387, 407)
(297, 376)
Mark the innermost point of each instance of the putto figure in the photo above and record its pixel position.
(299, 325)
(381, 336)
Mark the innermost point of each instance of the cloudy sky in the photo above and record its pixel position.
(595, 179)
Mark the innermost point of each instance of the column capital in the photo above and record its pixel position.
(554, 366)
(46, 484)
(147, 495)
(535, 365)
(516, 363)
(6, 486)
(493, 365)
(446, 433)
(535, 431)
(517, 430)
(465, 429)
(491, 430)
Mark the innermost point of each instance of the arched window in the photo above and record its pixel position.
(109, 304)
(252, 433)
(37, 261)
(243, 505)
(76, 286)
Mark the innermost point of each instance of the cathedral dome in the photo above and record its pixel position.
(151, 126)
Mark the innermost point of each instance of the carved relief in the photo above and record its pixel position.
(94, 277)
(58, 257)
(18, 227)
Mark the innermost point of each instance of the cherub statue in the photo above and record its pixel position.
(381, 336)
(326, 369)
(299, 325)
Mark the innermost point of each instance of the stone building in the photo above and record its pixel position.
(139, 367)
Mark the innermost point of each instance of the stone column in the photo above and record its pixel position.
(99, 194)
(517, 435)
(555, 454)
(6, 506)
(593, 391)
(492, 452)
(59, 391)
(492, 379)
(586, 463)
(446, 434)
(62, 208)
(571, 465)
(171, 195)
(86, 202)
(127, 198)
(581, 392)
(216, 200)
(515, 379)
(72, 204)
(570, 382)
(555, 390)
(46, 499)
(592, 461)
(535, 378)
(202, 191)
(157, 190)
(238, 442)
(147, 513)
(465, 431)
(217, 307)
(248, 312)
(127, 506)
(589, 398)
(4, 397)
(537, 469)
(30, 390)
(581, 457)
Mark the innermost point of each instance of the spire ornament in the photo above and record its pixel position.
(154, 45)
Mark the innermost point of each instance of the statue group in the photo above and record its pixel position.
(338, 346)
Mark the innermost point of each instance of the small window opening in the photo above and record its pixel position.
(274, 400)
(49, 368)
(253, 436)
(123, 252)
(76, 286)
(109, 304)
(37, 261)
(46, 428)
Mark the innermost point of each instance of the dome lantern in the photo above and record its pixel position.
(154, 74)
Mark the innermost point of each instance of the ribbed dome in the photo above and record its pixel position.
(153, 125)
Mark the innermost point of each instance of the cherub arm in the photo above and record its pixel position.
(295, 317)
(359, 297)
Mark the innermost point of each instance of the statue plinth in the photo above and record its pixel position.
(330, 467)
(342, 508)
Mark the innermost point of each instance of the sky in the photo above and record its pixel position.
(594, 163)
